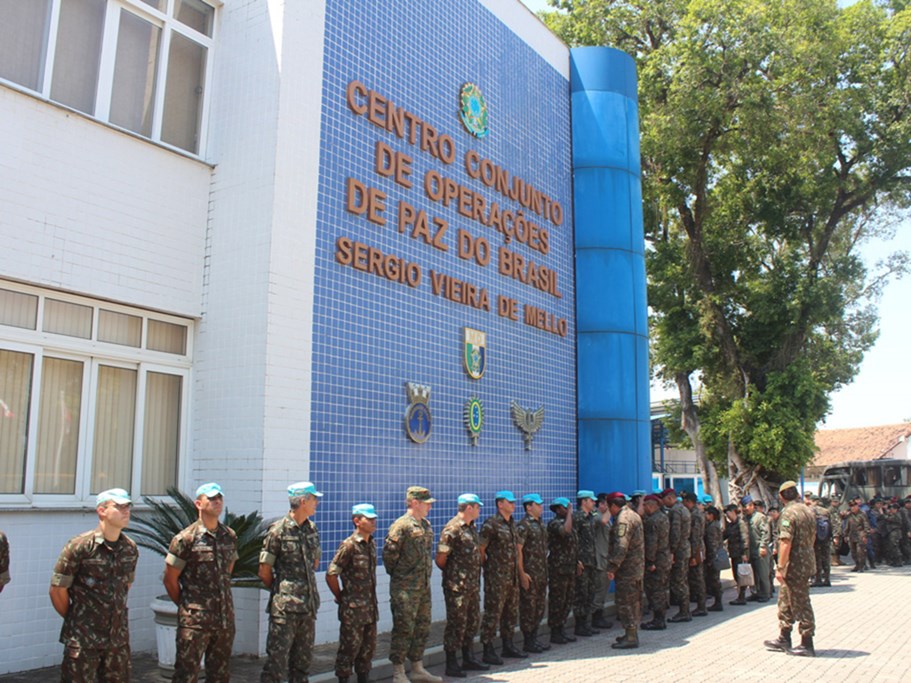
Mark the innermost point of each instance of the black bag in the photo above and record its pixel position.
(823, 528)
(844, 548)
(721, 560)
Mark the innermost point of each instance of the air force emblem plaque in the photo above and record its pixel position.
(418, 421)
(474, 352)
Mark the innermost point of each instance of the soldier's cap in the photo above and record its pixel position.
(585, 493)
(638, 493)
(364, 510)
(616, 498)
(505, 495)
(559, 502)
(706, 499)
(532, 498)
(746, 500)
(787, 485)
(303, 488)
(470, 499)
(759, 503)
(118, 496)
(209, 490)
(652, 498)
(419, 493)
(668, 492)
(812, 496)
(689, 496)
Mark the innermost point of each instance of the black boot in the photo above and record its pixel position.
(541, 644)
(453, 668)
(363, 678)
(805, 649)
(681, 617)
(700, 608)
(657, 623)
(470, 663)
(510, 650)
(582, 628)
(600, 621)
(717, 606)
(490, 655)
(557, 637)
(343, 679)
(629, 641)
(741, 592)
(531, 645)
(781, 644)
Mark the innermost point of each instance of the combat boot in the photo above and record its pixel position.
(741, 592)
(420, 674)
(398, 674)
(363, 677)
(781, 644)
(717, 606)
(582, 629)
(490, 655)
(510, 650)
(630, 640)
(681, 617)
(470, 663)
(344, 679)
(531, 645)
(656, 624)
(557, 637)
(700, 608)
(805, 649)
(600, 621)
(453, 668)
(541, 644)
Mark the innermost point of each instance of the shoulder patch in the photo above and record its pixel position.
(786, 522)
(621, 530)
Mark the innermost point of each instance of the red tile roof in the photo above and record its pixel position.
(861, 443)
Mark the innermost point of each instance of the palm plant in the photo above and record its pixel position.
(154, 528)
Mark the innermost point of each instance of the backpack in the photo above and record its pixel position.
(823, 528)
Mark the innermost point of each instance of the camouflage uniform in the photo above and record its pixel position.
(713, 544)
(905, 514)
(358, 612)
(96, 629)
(292, 550)
(696, 572)
(658, 555)
(679, 539)
(461, 583)
(584, 527)
(857, 528)
(797, 525)
(501, 577)
(760, 538)
(407, 557)
(773, 550)
(205, 615)
(561, 572)
(627, 563)
(889, 527)
(4, 560)
(533, 539)
(823, 547)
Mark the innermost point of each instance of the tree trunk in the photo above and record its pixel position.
(689, 421)
(746, 479)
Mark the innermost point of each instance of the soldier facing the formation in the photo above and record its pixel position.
(625, 566)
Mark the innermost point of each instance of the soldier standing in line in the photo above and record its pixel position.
(889, 527)
(837, 533)
(759, 548)
(625, 567)
(89, 590)
(355, 565)
(773, 545)
(532, 555)
(696, 571)
(796, 564)
(407, 557)
(679, 538)
(562, 568)
(713, 543)
(499, 556)
(4, 561)
(602, 549)
(856, 529)
(657, 562)
(459, 558)
(584, 526)
(825, 524)
(905, 514)
(737, 536)
(197, 577)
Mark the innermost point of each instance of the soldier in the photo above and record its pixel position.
(679, 538)
(759, 548)
(287, 565)
(737, 536)
(89, 590)
(584, 526)
(796, 564)
(825, 524)
(856, 529)
(602, 548)
(625, 567)
(635, 501)
(562, 568)
(696, 572)
(499, 555)
(773, 545)
(197, 576)
(874, 538)
(4, 561)
(890, 530)
(459, 558)
(657, 561)
(905, 514)
(713, 543)
(355, 565)
(407, 557)
(532, 555)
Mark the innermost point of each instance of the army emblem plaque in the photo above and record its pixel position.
(474, 352)
(474, 418)
(418, 420)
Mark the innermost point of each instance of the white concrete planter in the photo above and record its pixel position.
(165, 631)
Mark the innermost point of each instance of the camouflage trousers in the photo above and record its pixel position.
(906, 548)
(696, 581)
(858, 552)
(83, 664)
(289, 648)
(585, 594)
(532, 603)
(559, 599)
(794, 605)
(628, 599)
(410, 624)
(892, 548)
(463, 617)
(712, 580)
(679, 585)
(356, 645)
(823, 561)
(501, 608)
(192, 644)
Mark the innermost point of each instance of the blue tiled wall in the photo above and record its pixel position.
(372, 335)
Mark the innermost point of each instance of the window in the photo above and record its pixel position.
(141, 65)
(91, 397)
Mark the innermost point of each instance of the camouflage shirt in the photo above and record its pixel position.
(627, 546)
(656, 528)
(293, 552)
(97, 575)
(355, 564)
(499, 540)
(797, 524)
(407, 553)
(4, 560)
(584, 526)
(679, 534)
(712, 540)
(697, 534)
(461, 542)
(533, 539)
(561, 548)
(204, 559)
(856, 526)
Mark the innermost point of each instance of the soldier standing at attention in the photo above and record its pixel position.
(89, 590)
(532, 571)
(856, 529)
(287, 565)
(408, 558)
(625, 567)
(679, 538)
(696, 572)
(602, 549)
(4, 561)
(197, 576)
(657, 562)
(759, 548)
(796, 565)
(459, 557)
(499, 556)
(355, 565)
(562, 568)
(713, 544)
(737, 536)
(584, 526)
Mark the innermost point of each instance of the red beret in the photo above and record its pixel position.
(616, 498)
(653, 497)
(668, 492)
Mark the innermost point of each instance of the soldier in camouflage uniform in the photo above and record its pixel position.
(287, 565)
(796, 565)
(562, 568)
(584, 526)
(625, 567)
(459, 558)
(679, 538)
(354, 565)
(890, 529)
(759, 548)
(532, 571)
(857, 528)
(499, 555)
(737, 536)
(713, 543)
(823, 546)
(905, 514)
(696, 572)
(657, 562)
(773, 545)
(4, 561)
(197, 577)
(89, 590)
(408, 559)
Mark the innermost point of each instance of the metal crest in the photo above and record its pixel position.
(473, 110)
(474, 418)
(474, 352)
(528, 421)
(418, 420)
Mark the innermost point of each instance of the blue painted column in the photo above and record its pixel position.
(611, 315)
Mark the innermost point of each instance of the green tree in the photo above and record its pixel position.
(776, 141)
